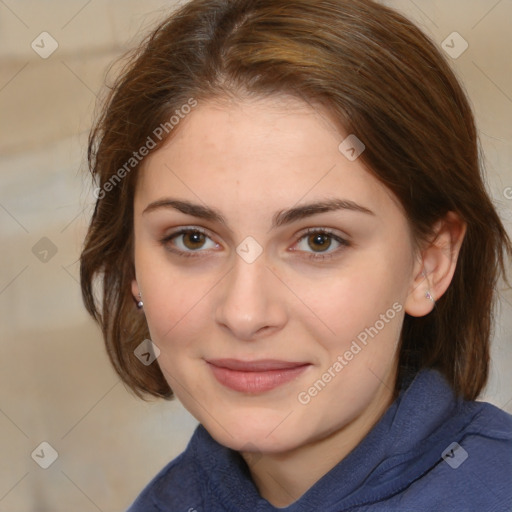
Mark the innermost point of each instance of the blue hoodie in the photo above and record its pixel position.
(430, 451)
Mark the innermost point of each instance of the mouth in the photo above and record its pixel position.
(255, 376)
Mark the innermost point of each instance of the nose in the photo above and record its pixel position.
(250, 304)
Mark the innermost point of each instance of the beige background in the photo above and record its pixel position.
(55, 382)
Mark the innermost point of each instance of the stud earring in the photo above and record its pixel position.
(428, 295)
(140, 304)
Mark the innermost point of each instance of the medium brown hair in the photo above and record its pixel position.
(381, 78)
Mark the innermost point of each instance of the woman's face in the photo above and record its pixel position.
(273, 271)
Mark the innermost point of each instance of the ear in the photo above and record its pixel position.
(433, 272)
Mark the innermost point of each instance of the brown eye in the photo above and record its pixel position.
(194, 240)
(188, 241)
(319, 242)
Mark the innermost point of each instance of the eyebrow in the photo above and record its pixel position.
(281, 218)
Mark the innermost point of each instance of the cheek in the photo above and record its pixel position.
(177, 317)
(176, 302)
(354, 298)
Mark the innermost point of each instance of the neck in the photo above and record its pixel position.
(282, 478)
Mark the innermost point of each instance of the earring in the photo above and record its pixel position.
(428, 295)
(140, 304)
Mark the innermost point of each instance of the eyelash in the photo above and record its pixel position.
(165, 241)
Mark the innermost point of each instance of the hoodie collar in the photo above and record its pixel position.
(403, 445)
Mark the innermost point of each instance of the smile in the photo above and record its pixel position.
(255, 376)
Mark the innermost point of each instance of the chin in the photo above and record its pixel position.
(255, 433)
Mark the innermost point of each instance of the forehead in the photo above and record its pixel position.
(270, 152)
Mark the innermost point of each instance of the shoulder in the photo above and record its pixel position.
(488, 439)
(474, 469)
(170, 489)
(175, 487)
(490, 421)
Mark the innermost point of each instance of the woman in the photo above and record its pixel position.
(293, 237)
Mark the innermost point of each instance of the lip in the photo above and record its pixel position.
(255, 376)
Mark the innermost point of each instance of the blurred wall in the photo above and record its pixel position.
(56, 385)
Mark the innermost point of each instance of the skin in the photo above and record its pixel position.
(249, 160)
